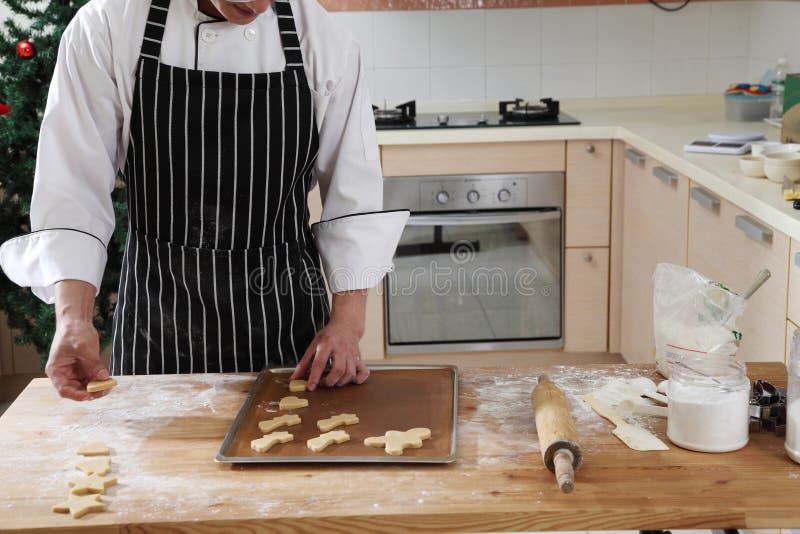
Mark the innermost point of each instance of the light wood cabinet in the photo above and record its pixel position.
(588, 193)
(730, 246)
(654, 231)
(472, 158)
(794, 282)
(615, 254)
(586, 300)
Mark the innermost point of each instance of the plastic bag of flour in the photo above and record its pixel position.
(692, 315)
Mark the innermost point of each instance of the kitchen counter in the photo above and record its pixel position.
(165, 430)
(658, 126)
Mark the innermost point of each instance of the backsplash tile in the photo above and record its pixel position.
(513, 36)
(457, 38)
(583, 49)
(569, 34)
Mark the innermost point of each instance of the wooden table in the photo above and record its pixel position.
(165, 430)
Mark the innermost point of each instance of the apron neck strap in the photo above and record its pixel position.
(157, 19)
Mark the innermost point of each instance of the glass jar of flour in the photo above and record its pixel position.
(709, 399)
(793, 400)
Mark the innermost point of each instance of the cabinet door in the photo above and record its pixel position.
(730, 246)
(654, 231)
(794, 282)
(586, 300)
(588, 193)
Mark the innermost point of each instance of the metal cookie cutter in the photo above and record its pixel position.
(768, 408)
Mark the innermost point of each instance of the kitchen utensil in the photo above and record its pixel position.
(558, 440)
(752, 166)
(782, 165)
(644, 387)
(635, 437)
(627, 408)
(762, 276)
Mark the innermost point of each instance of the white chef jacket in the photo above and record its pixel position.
(84, 137)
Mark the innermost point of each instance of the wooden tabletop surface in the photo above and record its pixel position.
(165, 430)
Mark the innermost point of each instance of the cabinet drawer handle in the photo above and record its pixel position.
(705, 199)
(590, 148)
(753, 229)
(665, 175)
(797, 259)
(633, 156)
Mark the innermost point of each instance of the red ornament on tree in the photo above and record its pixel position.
(25, 49)
(5, 109)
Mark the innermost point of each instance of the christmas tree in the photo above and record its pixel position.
(28, 50)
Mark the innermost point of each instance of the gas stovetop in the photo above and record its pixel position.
(510, 113)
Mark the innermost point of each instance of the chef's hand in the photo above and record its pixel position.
(339, 342)
(74, 359)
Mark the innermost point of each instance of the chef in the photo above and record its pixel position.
(219, 116)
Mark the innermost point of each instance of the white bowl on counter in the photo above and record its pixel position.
(757, 148)
(779, 148)
(752, 166)
(780, 165)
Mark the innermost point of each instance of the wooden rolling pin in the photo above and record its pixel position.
(557, 437)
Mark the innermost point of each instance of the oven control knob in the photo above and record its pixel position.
(473, 196)
(504, 195)
(442, 197)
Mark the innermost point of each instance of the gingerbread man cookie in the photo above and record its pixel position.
(326, 425)
(292, 403)
(394, 442)
(267, 442)
(322, 442)
(276, 422)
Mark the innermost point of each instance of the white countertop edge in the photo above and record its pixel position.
(786, 220)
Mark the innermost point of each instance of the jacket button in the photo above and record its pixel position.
(250, 34)
(208, 36)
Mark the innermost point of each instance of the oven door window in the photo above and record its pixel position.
(477, 277)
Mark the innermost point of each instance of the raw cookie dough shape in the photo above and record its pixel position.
(326, 425)
(276, 422)
(80, 505)
(292, 403)
(267, 442)
(93, 448)
(295, 386)
(91, 484)
(95, 466)
(320, 443)
(635, 437)
(100, 385)
(395, 441)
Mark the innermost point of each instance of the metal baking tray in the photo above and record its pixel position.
(395, 397)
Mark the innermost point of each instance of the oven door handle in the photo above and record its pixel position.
(446, 219)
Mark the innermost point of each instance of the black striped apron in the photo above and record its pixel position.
(220, 272)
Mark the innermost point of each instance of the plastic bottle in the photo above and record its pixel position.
(778, 81)
(793, 400)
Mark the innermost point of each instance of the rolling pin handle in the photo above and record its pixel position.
(565, 474)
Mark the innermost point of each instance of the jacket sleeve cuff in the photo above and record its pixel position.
(40, 259)
(356, 250)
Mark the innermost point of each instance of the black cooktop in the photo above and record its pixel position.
(427, 121)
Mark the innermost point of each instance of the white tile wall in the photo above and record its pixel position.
(572, 52)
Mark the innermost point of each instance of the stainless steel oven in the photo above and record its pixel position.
(479, 265)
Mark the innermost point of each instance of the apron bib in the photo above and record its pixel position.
(220, 272)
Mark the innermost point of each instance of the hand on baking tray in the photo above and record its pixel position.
(75, 360)
(337, 342)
